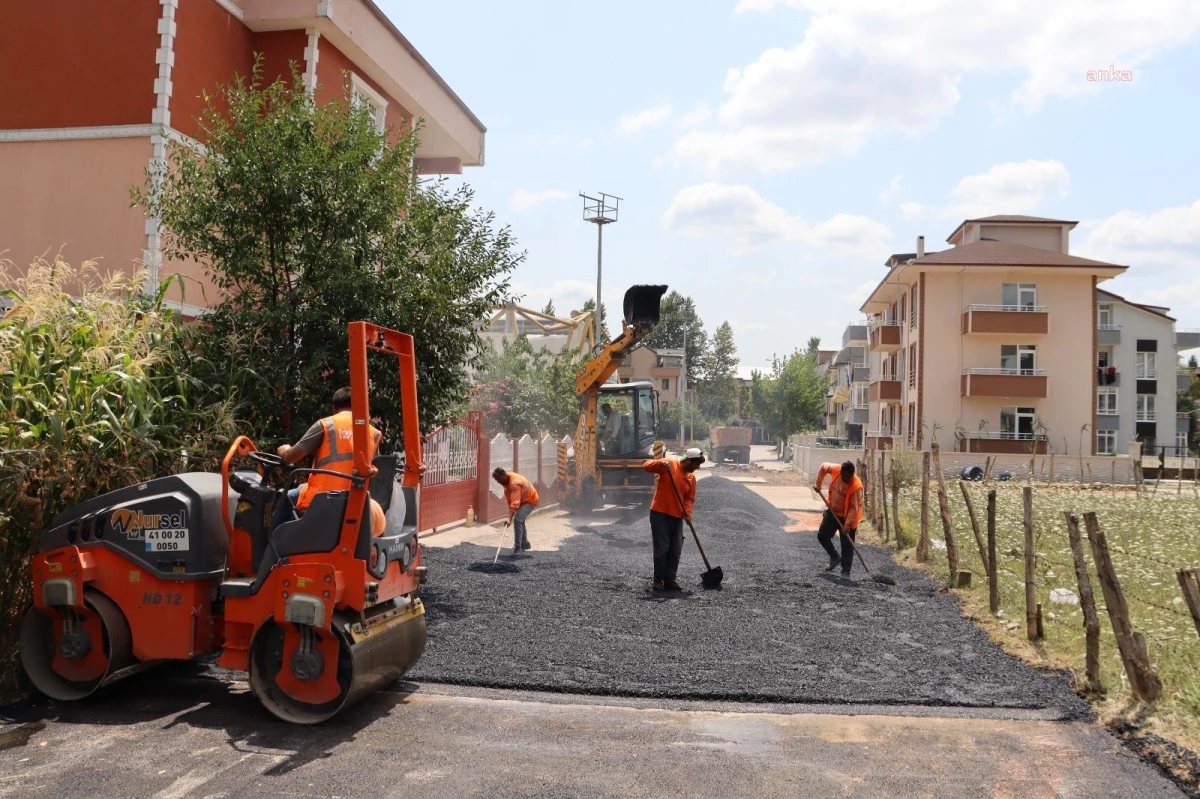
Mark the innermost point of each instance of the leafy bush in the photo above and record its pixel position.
(522, 391)
(97, 391)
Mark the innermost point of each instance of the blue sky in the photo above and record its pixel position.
(772, 153)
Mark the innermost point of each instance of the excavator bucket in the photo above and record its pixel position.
(642, 305)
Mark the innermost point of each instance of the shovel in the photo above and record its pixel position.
(711, 578)
(879, 578)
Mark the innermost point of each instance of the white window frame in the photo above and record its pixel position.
(361, 91)
(912, 312)
(1147, 410)
(1106, 442)
(1181, 441)
(1019, 412)
(1021, 349)
(1109, 407)
(1105, 354)
(1147, 365)
(1104, 317)
(666, 384)
(1021, 289)
(860, 396)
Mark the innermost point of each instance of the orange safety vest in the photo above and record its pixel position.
(519, 491)
(337, 455)
(856, 487)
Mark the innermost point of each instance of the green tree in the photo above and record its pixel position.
(307, 218)
(549, 309)
(520, 390)
(677, 315)
(791, 398)
(590, 305)
(718, 393)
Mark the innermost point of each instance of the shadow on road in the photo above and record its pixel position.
(191, 695)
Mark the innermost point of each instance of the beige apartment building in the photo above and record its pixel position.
(662, 367)
(989, 346)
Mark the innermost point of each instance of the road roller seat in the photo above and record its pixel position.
(318, 530)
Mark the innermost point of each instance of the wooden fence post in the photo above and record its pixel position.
(993, 585)
(944, 505)
(1134, 654)
(896, 509)
(1051, 480)
(887, 531)
(923, 541)
(1189, 582)
(1087, 602)
(1030, 569)
(983, 553)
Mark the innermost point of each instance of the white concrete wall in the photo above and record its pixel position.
(1138, 324)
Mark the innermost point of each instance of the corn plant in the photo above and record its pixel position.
(99, 389)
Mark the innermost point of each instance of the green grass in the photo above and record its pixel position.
(1149, 539)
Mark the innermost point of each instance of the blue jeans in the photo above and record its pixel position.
(284, 506)
(520, 534)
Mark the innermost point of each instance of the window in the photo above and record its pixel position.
(1104, 320)
(912, 311)
(1147, 365)
(362, 94)
(1104, 359)
(1106, 442)
(1181, 442)
(912, 422)
(1017, 422)
(912, 366)
(860, 395)
(1018, 358)
(1145, 408)
(903, 309)
(666, 383)
(1106, 402)
(1019, 296)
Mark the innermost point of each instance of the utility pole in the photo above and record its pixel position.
(683, 388)
(600, 211)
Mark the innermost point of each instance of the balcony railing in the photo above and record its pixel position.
(885, 337)
(1005, 435)
(1008, 308)
(1107, 327)
(1107, 412)
(1147, 374)
(1001, 371)
(1147, 416)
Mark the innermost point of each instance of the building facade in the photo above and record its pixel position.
(990, 345)
(662, 367)
(847, 407)
(97, 90)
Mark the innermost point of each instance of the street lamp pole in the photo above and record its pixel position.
(600, 211)
(683, 388)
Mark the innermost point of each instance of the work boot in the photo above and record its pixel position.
(834, 562)
(671, 585)
(658, 585)
(845, 572)
(525, 545)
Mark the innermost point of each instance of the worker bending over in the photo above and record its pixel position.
(675, 481)
(522, 498)
(845, 500)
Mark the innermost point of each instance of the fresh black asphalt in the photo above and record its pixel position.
(583, 619)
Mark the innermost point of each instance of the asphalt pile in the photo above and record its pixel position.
(780, 629)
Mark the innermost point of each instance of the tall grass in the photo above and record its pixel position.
(99, 389)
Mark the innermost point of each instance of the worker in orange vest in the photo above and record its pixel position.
(330, 442)
(522, 498)
(666, 514)
(845, 499)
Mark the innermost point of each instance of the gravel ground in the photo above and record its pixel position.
(583, 620)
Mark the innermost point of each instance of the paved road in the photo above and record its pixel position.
(180, 737)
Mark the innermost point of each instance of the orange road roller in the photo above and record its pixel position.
(320, 610)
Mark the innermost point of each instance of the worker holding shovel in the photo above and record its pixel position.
(843, 512)
(522, 498)
(674, 493)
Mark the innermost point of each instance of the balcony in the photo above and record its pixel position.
(885, 389)
(878, 439)
(1108, 334)
(1183, 379)
(1004, 383)
(1006, 443)
(861, 373)
(1187, 339)
(1107, 376)
(858, 416)
(855, 335)
(1025, 320)
(1183, 422)
(885, 337)
(849, 355)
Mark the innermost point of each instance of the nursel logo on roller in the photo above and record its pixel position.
(135, 523)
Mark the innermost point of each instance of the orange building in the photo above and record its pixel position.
(94, 91)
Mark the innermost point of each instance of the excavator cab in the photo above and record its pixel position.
(628, 429)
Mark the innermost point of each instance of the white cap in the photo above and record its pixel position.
(694, 453)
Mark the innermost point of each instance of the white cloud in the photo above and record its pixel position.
(741, 213)
(643, 120)
(1162, 250)
(1017, 187)
(524, 200)
(912, 210)
(861, 292)
(872, 67)
(697, 116)
(893, 188)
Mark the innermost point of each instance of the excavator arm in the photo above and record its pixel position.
(641, 313)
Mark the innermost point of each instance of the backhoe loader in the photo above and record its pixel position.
(610, 447)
